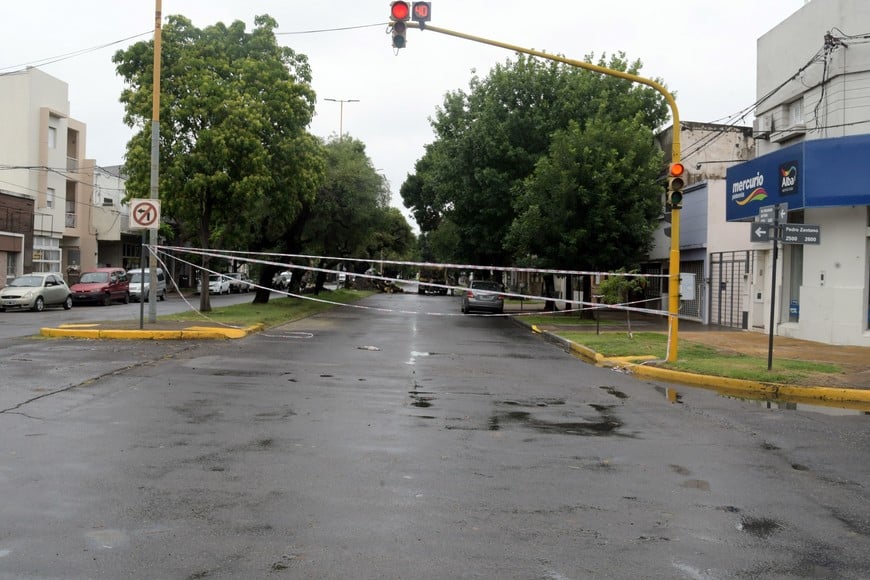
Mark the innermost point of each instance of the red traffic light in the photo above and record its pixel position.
(676, 176)
(400, 11)
(422, 11)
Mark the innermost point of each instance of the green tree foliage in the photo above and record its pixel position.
(490, 141)
(237, 165)
(593, 201)
(351, 216)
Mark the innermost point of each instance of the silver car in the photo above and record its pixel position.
(35, 292)
(483, 295)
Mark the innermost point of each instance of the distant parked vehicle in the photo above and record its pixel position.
(101, 286)
(239, 282)
(217, 284)
(483, 295)
(142, 285)
(35, 292)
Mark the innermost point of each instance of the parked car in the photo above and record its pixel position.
(239, 282)
(36, 291)
(101, 286)
(217, 284)
(483, 295)
(142, 284)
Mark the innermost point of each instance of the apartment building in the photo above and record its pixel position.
(46, 173)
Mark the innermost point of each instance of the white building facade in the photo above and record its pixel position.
(812, 136)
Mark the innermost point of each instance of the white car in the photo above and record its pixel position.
(35, 292)
(217, 284)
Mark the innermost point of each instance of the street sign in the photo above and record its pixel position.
(801, 234)
(760, 232)
(771, 214)
(767, 214)
(144, 214)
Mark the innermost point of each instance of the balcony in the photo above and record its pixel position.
(70, 220)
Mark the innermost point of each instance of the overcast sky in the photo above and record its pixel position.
(704, 50)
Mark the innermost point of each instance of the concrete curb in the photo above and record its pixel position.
(722, 384)
(189, 333)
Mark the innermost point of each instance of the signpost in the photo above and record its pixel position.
(145, 216)
(772, 224)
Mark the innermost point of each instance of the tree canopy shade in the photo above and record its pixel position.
(237, 165)
(517, 133)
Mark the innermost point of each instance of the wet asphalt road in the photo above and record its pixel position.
(372, 444)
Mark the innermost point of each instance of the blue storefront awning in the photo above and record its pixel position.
(814, 173)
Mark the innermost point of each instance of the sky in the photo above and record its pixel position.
(703, 50)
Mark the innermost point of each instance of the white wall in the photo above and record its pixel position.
(833, 294)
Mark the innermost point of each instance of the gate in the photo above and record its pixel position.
(729, 288)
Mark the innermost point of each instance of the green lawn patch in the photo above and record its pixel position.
(700, 358)
(275, 312)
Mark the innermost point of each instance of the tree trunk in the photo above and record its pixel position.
(550, 292)
(267, 272)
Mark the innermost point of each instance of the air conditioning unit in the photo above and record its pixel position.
(762, 127)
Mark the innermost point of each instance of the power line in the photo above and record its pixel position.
(53, 59)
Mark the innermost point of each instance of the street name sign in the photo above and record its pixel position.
(767, 214)
(801, 234)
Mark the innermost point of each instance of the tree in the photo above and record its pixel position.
(593, 201)
(621, 289)
(237, 165)
(489, 142)
(351, 216)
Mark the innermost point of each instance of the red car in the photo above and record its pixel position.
(101, 286)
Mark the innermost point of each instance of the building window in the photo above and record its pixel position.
(49, 197)
(796, 113)
(52, 137)
(46, 254)
(11, 265)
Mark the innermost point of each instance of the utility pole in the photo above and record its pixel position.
(341, 114)
(155, 163)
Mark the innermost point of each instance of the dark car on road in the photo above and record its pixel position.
(483, 296)
(102, 286)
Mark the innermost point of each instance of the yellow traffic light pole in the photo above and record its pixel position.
(674, 266)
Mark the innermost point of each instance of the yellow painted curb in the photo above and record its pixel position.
(190, 333)
(587, 353)
(808, 393)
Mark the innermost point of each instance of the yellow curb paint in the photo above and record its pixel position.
(192, 332)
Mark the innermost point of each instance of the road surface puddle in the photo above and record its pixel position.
(779, 402)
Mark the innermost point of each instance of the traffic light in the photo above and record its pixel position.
(400, 12)
(676, 183)
(421, 12)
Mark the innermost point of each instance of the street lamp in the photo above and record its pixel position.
(341, 114)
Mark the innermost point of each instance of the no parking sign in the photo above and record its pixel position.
(144, 214)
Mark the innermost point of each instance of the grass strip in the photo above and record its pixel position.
(700, 358)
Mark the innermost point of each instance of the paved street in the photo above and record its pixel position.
(408, 442)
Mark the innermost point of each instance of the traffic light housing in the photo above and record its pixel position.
(400, 12)
(676, 182)
(421, 12)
